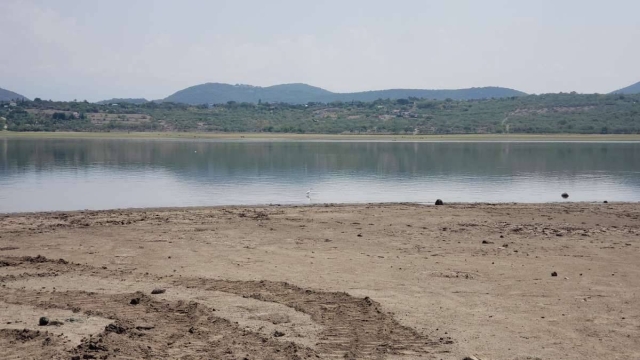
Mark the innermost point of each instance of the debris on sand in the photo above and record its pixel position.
(135, 301)
(115, 328)
(44, 321)
(439, 202)
(565, 195)
(487, 242)
(554, 274)
(157, 291)
(278, 333)
(34, 260)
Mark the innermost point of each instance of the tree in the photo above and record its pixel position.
(59, 116)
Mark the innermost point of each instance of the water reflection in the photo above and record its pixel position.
(48, 174)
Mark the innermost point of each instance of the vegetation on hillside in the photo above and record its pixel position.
(551, 113)
(216, 93)
(123, 100)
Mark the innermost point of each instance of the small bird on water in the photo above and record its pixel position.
(565, 195)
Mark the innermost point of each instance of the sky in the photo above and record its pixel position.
(95, 50)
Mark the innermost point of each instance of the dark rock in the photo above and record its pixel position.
(145, 327)
(501, 236)
(487, 242)
(44, 321)
(439, 202)
(565, 195)
(554, 274)
(278, 333)
(359, 235)
(135, 301)
(158, 291)
(115, 328)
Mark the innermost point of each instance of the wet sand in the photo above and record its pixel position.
(396, 281)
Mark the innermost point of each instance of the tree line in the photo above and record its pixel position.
(549, 113)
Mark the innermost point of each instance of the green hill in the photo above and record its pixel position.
(217, 93)
(6, 95)
(633, 89)
(123, 100)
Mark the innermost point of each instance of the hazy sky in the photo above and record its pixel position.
(94, 50)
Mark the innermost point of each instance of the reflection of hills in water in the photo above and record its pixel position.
(200, 160)
(72, 174)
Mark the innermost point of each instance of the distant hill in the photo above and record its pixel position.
(217, 93)
(633, 89)
(459, 94)
(123, 100)
(6, 95)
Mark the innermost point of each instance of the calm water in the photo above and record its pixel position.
(66, 174)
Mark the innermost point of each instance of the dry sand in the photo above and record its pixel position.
(398, 281)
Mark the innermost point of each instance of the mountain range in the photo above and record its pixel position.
(6, 95)
(218, 93)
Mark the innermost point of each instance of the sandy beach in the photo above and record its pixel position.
(392, 281)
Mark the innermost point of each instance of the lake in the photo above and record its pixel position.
(72, 174)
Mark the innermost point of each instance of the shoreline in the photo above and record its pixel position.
(460, 205)
(329, 137)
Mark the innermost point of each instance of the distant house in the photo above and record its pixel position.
(76, 115)
(13, 103)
